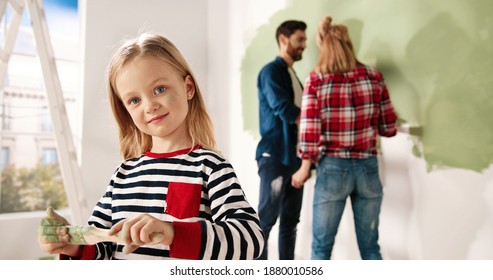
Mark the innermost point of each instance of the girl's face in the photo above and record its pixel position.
(157, 100)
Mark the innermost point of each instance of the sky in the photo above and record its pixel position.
(61, 16)
(68, 4)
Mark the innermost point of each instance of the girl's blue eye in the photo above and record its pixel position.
(159, 90)
(134, 101)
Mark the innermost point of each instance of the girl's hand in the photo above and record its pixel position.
(53, 236)
(140, 230)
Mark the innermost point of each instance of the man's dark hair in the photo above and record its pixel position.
(288, 27)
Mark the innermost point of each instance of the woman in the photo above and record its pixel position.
(345, 107)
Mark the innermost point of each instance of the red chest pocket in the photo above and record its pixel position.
(183, 200)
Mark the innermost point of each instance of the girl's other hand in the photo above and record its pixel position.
(142, 230)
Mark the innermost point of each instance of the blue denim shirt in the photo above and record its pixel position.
(277, 114)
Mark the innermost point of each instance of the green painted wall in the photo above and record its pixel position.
(436, 56)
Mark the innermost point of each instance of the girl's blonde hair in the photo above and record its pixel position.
(336, 49)
(134, 142)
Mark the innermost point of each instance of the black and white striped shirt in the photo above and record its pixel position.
(195, 189)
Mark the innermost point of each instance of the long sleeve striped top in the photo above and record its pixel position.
(198, 191)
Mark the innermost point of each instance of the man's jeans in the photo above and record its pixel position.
(338, 179)
(278, 199)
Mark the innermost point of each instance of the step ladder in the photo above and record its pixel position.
(70, 169)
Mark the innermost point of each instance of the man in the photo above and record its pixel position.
(279, 93)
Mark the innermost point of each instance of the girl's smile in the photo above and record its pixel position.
(156, 97)
(157, 119)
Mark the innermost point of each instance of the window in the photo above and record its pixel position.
(30, 172)
(4, 157)
(46, 124)
(48, 156)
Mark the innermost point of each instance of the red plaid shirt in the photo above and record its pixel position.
(342, 114)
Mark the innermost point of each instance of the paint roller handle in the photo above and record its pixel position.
(84, 235)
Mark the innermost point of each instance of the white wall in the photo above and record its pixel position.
(19, 233)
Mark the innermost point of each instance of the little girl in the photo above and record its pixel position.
(172, 181)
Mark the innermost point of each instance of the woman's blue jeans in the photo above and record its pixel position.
(338, 179)
(278, 199)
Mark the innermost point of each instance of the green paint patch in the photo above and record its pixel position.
(78, 234)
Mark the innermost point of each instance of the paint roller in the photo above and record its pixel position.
(84, 235)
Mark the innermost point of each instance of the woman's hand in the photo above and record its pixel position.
(142, 230)
(302, 175)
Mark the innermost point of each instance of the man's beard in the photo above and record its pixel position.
(295, 54)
